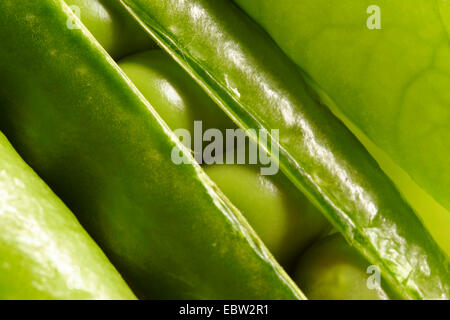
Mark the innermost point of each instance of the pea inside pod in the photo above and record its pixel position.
(116, 31)
(284, 219)
(170, 90)
(332, 270)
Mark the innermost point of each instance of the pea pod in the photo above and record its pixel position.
(45, 253)
(259, 87)
(82, 125)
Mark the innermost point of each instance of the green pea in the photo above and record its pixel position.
(284, 219)
(116, 31)
(170, 90)
(333, 270)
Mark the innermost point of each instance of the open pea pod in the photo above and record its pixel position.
(82, 125)
(384, 64)
(44, 251)
(241, 68)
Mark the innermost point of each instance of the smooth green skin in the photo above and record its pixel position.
(333, 270)
(239, 66)
(117, 32)
(45, 253)
(284, 219)
(173, 94)
(79, 122)
(394, 83)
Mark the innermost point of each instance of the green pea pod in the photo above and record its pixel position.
(241, 68)
(45, 253)
(82, 125)
(384, 64)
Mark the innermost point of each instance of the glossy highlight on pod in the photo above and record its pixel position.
(227, 149)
